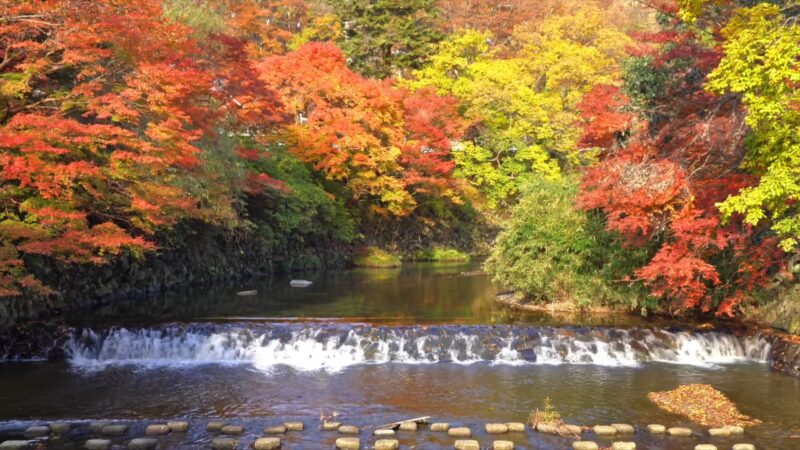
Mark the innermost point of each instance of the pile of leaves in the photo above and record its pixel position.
(702, 404)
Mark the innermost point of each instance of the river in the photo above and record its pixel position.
(376, 346)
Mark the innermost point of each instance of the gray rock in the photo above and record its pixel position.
(277, 429)
(408, 426)
(384, 432)
(348, 429)
(348, 443)
(215, 426)
(114, 430)
(496, 428)
(584, 445)
(459, 432)
(623, 428)
(156, 430)
(604, 430)
(294, 426)
(467, 444)
(224, 443)
(655, 428)
(743, 447)
(623, 446)
(14, 445)
(37, 431)
(143, 444)
(502, 445)
(233, 430)
(516, 427)
(387, 444)
(440, 426)
(268, 443)
(97, 444)
(178, 426)
(679, 431)
(330, 426)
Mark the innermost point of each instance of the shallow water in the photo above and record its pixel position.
(349, 344)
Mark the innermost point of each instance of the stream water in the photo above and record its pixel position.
(380, 346)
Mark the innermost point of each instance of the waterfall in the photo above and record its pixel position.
(333, 347)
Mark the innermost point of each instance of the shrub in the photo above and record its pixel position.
(441, 254)
(376, 258)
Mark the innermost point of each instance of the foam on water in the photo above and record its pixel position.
(333, 347)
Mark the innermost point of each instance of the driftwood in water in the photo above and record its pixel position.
(393, 425)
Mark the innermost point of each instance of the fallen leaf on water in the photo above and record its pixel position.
(702, 404)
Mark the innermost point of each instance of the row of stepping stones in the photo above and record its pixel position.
(621, 429)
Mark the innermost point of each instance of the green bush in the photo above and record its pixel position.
(554, 253)
(376, 258)
(441, 254)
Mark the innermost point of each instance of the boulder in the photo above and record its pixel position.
(679, 431)
(655, 428)
(294, 426)
(222, 443)
(37, 431)
(604, 430)
(97, 444)
(143, 444)
(178, 426)
(114, 430)
(215, 426)
(348, 443)
(440, 426)
(496, 428)
(459, 432)
(384, 432)
(467, 444)
(584, 445)
(277, 429)
(387, 444)
(623, 428)
(330, 426)
(516, 427)
(267, 443)
(743, 447)
(348, 429)
(156, 429)
(623, 446)
(232, 430)
(408, 426)
(719, 432)
(502, 445)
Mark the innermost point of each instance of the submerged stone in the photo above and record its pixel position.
(221, 443)
(387, 444)
(604, 430)
(268, 443)
(294, 426)
(440, 426)
(178, 426)
(502, 445)
(679, 431)
(623, 446)
(467, 444)
(330, 426)
(408, 426)
(496, 428)
(584, 445)
(37, 431)
(143, 444)
(97, 444)
(623, 428)
(156, 429)
(516, 427)
(348, 443)
(655, 428)
(277, 429)
(459, 432)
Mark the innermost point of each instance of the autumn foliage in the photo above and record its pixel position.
(702, 404)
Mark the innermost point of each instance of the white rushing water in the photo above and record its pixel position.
(316, 347)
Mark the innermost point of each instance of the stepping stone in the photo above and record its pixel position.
(496, 428)
(679, 431)
(348, 429)
(604, 430)
(37, 431)
(384, 432)
(440, 426)
(178, 426)
(348, 443)
(330, 426)
(215, 426)
(623, 446)
(97, 444)
(14, 445)
(743, 447)
(221, 443)
(734, 429)
(459, 432)
(143, 444)
(268, 443)
(623, 428)
(277, 429)
(408, 426)
(232, 430)
(516, 427)
(584, 445)
(114, 430)
(467, 444)
(719, 432)
(294, 426)
(60, 427)
(655, 428)
(705, 447)
(574, 429)
(156, 430)
(97, 427)
(387, 444)
(502, 445)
